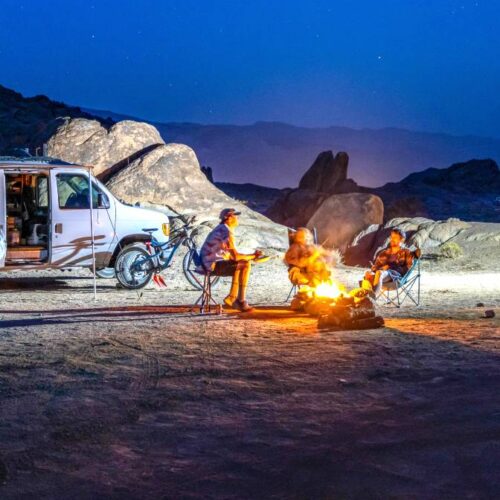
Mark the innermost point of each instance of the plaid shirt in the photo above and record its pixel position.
(401, 261)
(217, 246)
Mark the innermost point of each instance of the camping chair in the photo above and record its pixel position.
(205, 302)
(399, 288)
(291, 236)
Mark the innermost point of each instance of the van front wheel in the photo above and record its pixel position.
(133, 267)
(106, 273)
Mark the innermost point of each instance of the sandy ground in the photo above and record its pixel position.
(128, 397)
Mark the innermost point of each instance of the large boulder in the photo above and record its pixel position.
(87, 142)
(326, 176)
(341, 217)
(170, 177)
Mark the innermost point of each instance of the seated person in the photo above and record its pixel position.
(220, 257)
(395, 260)
(307, 263)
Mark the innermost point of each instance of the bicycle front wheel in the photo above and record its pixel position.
(133, 267)
(194, 278)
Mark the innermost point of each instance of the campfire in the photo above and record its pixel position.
(311, 268)
(336, 308)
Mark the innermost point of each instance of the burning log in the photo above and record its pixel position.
(335, 309)
(348, 314)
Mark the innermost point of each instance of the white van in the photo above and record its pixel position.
(45, 217)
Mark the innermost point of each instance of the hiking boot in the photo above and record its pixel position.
(243, 306)
(229, 301)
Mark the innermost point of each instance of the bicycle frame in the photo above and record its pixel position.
(155, 249)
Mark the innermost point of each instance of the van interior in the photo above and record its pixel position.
(27, 218)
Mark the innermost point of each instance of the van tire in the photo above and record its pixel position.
(106, 273)
(129, 256)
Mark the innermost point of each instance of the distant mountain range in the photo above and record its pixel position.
(276, 154)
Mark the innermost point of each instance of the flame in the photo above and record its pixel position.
(329, 290)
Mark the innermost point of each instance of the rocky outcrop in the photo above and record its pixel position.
(326, 176)
(142, 170)
(421, 232)
(170, 175)
(467, 190)
(169, 178)
(341, 217)
(87, 142)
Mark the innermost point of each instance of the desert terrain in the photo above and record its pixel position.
(131, 396)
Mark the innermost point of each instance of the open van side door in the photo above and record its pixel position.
(3, 220)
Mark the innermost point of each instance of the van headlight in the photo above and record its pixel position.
(165, 227)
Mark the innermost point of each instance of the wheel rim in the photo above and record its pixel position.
(195, 278)
(134, 268)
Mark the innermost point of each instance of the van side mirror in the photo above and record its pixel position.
(102, 201)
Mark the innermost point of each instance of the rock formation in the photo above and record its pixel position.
(328, 200)
(467, 190)
(342, 216)
(87, 142)
(170, 175)
(326, 176)
(140, 169)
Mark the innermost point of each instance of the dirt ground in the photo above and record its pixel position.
(130, 397)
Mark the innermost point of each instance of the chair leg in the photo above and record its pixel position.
(205, 300)
(292, 292)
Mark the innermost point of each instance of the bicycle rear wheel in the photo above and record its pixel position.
(133, 267)
(189, 268)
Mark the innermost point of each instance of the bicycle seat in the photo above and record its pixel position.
(150, 229)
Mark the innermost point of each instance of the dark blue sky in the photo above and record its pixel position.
(428, 65)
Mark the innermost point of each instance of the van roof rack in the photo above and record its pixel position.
(37, 160)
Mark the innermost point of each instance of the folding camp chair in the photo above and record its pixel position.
(399, 288)
(205, 303)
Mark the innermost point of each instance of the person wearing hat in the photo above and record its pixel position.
(220, 256)
(395, 259)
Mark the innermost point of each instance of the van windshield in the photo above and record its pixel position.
(73, 192)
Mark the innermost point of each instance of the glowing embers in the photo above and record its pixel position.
(329, 290)
(336, 308)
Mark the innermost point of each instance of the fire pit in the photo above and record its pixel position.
(336, 308)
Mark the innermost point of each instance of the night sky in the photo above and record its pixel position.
(429, 65)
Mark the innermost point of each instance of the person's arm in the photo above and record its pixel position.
(237, 255)
(380, 262)
(293, 257)
(409, 259)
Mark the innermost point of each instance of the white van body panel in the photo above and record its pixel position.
(70, 241)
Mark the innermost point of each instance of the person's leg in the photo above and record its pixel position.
(378, 281)
(235, 285)
(244, 266)
(367, 282)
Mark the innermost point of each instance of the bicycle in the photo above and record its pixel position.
(137, 264)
